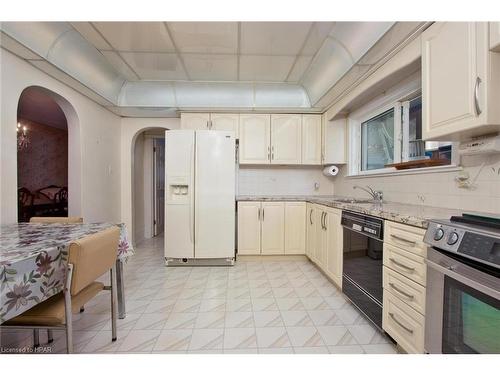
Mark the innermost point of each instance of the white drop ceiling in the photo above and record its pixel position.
(208, 51)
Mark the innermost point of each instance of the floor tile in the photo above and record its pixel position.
(288, 304)
(209, 305)
(240, 338)
(304, 336)
(336, 335)
(325, 317)
(380, 349)
(173, 340)
(180, 321)
(296, 318)
(214, 319)
(365, 334)
(139, 341)
(288, 350)
(239, 319)
(207, 339)
(264, 304)
(267, 319)
(272, 337)
(151, 321)
(311, 350)
(346, 349)
(240, 304)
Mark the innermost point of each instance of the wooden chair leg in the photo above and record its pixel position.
(50, 337)
(114, 313)
(82, 309)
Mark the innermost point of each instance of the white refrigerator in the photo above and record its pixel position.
(199, 195)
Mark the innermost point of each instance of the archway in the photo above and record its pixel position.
(148, 177)
(49, 155)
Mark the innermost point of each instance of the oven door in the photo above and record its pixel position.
(463, 306)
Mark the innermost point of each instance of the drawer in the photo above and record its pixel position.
(406, 237)
(403, 324)
(408, 291)
(405, 263)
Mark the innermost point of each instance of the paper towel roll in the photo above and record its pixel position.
(331, 170)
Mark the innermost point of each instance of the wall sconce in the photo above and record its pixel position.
(22, 137)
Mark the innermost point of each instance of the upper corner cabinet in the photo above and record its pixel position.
(460, 81)
(495, 36)
(195, 121)
(255, 139)
(211, 121)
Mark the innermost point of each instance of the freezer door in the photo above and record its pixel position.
(179, 193)
(214, 194)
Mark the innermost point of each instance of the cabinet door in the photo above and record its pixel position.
(225, 121)
(273, 227)
(453, 75)
(286, 136)
(334, 141)
(334, 247)
(295, 228)
(195, 121)
(311, 139)
(249, 228)
(311, 235)
(255, 138)
(321, 239)
(495, 36)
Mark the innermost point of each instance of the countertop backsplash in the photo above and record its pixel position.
(283, 180)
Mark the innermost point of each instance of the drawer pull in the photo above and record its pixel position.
(401, 265)
(410, 331)
(403, 239)
(310, 216)
(409, 296)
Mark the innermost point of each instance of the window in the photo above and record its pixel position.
(393, 134)
(377, 140)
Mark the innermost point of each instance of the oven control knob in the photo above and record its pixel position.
(452, 238)
(438, 234)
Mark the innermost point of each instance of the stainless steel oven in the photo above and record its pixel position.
(463, 289)
(362, 263)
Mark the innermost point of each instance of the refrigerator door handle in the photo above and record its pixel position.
(195, 192)
(190, 192)
(258, 214)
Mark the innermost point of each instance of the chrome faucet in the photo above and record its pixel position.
(377, 195)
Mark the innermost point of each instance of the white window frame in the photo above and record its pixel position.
(397, 97)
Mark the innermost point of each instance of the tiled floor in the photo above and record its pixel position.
(257, 306)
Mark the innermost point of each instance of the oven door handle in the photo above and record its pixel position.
(450, 271)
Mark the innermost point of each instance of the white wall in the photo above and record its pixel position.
(283, 180)
(138, 175)
(130, 128)
(98, 193)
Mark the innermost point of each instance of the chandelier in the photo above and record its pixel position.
(22, 137)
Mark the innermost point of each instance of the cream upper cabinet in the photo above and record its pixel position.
(495, 36)
(249, 228)
(273, 228)
(311, 231)
(311, 139)
(255, 138)
(225, 121)
(334, 141)
(334, 246)
(460, 81)
(295, 227)
(286, 139)
(195, 121)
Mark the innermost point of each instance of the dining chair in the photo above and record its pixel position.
(56, 220)
(89, 258)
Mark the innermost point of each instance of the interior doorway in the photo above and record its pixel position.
(42, 156)
(148, 193)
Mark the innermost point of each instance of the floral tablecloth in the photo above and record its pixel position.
(33, 260)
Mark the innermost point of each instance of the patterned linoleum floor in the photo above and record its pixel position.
(256, 306)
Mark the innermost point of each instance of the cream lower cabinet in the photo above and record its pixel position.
(460, 76)
(262, 226)
(295, 227)
(312, 216)
(334, 246)
(404, 283)
(273, 228)
(249, 228)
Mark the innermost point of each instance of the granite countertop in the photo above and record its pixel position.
(410, 214)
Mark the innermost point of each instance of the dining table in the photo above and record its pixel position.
(34, 258)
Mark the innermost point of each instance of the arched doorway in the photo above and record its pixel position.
(148, 184)
(48, 155)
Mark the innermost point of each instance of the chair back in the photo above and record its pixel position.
(56, 220)
(92, 256)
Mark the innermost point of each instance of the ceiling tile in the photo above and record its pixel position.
(136, 36)
(162, 66)
(265, 68)
(319, 32)
(91, 34)
(273, 38)
(211, 67)
(205, 37)
(299, 68)
(120, 65)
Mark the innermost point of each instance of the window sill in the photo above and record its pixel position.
(388, 172)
